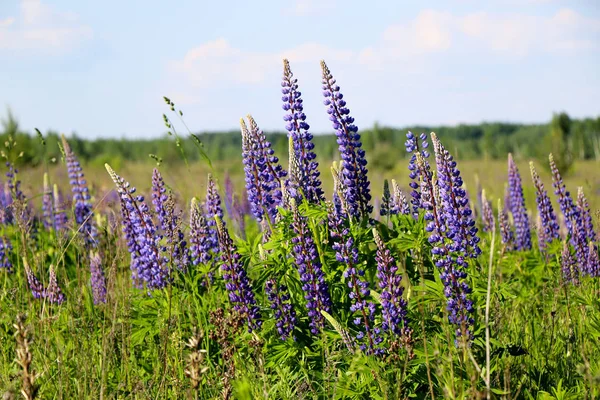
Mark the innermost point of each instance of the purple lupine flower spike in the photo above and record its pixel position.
(355, 183)
(569, 271)
(507, 236)
(213, 209)
(84, 215)
(97, 279)
(362, 310)
(5, 205)
(236, 280)
(593, 262)
(5, 251)
(148, 267)
(159, 198)
(386, 205)
(283, 310)
(47, 208)
(586, 215)
(416, 146)
(549, 229)
(399, 202)
(456, 224)
(296, 125)
(517, 207)
(306, 260)
(487, 214)
(394, 312)
(573, 219)
(60, 215)
(53, 292)
(36, 287)
(263, 173)
(200, 236)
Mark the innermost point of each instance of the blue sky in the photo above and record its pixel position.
(101, 68)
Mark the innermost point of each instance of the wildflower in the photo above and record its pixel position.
(569, 271)
(386, 200)
(263, 173)
(586, 216)
(84, 216)
(517, 207)
(363, 311)
(47, 207)
(308, 169)
(355, 183)
(97, 279)
(451, 257)
(213, 209)
(507, 236)
(399, 202)
(60, 216)
(412, 146)
(36, 287)
(306, 260)
(53, 292)
(148, 266)
(236, 280)
(549, 227)
(200, 238)
(284, 312)
(487, 214)
(393, 304)
(5, 251)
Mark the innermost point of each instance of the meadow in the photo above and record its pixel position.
(285, 276)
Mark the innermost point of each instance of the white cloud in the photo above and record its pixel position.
(41, 27)
(218, 61)
(404, 47)
(303, 8)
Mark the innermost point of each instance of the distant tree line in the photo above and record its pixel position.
(570, 140)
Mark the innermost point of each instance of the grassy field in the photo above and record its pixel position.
(389, 328)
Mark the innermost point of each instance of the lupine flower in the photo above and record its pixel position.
(296, 125)
(462, 237)
(5, 205)
(169, 222)
(507, 235)
(263, 173)
(338, 196)
(306, 259)
(200, 238)
(586, 216)
(36, 287)
(5, 251)
(355, 183)
(568, 266)
(147, 264)
(517, 207)
(573, 219)
(363, 310)
(283, 310)
(399, 202)
(593, 262)
(47, 207)
(487, 214)
(412, 146)
(53, 292)
(213, 209)
(236, 280)
(393, 304)
(84, 216)
(97, 279)
(549, 227)
(60, 216)
(386, 200)
(17, 205)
